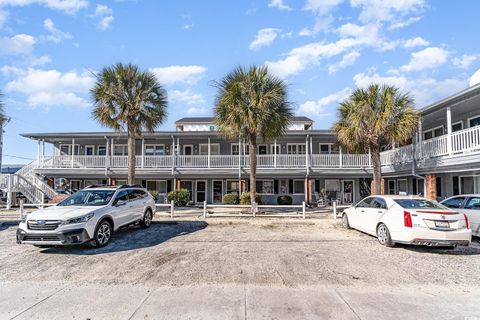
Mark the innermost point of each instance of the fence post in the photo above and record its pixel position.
(172, 206)
(303, 210)
(21, 209)
(254, 208)
(204, 209)
(334, 209)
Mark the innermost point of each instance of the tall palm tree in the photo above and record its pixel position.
(128, 99)
(3, 120)
(375, 115)
(251, 103)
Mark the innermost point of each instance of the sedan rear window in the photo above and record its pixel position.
(418, 204)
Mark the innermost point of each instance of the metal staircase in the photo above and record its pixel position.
(28, 183)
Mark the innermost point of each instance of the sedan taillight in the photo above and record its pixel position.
(467, 223)
(407, 219)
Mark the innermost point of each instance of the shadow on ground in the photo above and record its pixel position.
(8, 224)
(472, 249)
(134, 237)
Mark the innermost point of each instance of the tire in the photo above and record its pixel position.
(345, 222)
(147, 219)
(103, 233)
(383, 236)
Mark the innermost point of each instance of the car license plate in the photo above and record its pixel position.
(442, 224)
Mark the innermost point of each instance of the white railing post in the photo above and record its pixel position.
(340, 154)
(204, 209)
(449, 131)
(275, 153)
(73, 151)
(21, 209)
(303, 209)
(172, 207)
(369, 158)
(254, 208)
(334, 209)
(143, 152)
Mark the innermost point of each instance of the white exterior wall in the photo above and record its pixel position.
(198, 127)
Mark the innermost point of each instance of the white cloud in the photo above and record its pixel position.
(186, 96)
(38, 61)
(403, 23)
(465, 60)
(318, 107)
(322, 23)
(425, 90)
(3, 18)
(50, 88)
(382, 10)
(104, 14)
(428, 58)
(179, 74)
(323, 18)
(415, 42)
(347, 60)
(55, 35)
(18, 44)
(197, 110)
(265, 37)
(322, 7)
(279, 5)
(66, 6)
(188, 26)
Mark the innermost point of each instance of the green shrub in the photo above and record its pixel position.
(230, 198)
(154, 194)
(245, 198)
(181, 197)
(284, 200)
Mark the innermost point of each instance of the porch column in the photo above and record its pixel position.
(38, 154)
(310, 190)
(382, 187)
(305, 190)
(173, 157)
(449, 130)
(369, 158)
(340, 154)
(143, 152)
(239, 157)
(307, 152)
(112, 147)
(420, 138)
(431, 187)
(177, 184)
(275, 153)
(73, 150)
(209, 152)
(107, 153)
(243, 186)
(43, 152)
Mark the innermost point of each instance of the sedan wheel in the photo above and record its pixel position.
(345, 222)
(103, 234)
(383, 236)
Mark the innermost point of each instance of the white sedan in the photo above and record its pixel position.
(469, 204)
(411, 220)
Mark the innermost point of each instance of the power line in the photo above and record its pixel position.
(17, 157)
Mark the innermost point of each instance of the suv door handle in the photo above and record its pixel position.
(362, 210)
(380, 211)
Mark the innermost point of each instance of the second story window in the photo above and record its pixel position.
(155, 150)
(298, 148)
(102, 150)
(214, 149)
(473, 122)
(235, 149)
(120, 150)
(433, 133)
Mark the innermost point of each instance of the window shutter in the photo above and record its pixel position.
(275, 186)
(169, 186)
(290, 186)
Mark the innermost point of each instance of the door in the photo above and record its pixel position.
(89, 150)
(358, 215)
(472, 211)
(187, 184)
(262, 149)
(121, 213)
(373, 215)
(136, 204)
(187, 149)
(201, 188)
(217, 186)
(347, 191)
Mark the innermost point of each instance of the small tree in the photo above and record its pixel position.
(373, 115)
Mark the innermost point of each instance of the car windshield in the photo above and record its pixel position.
(89, 198)
(418, 204)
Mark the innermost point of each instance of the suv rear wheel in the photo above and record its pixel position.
(147, 219)
(103, 234)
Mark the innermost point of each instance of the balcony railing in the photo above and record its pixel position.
(464, 141)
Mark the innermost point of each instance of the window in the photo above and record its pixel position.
(366, 203)
(418, 204)
(454, 202)
(233, 186)
(473, 203)
(120, 150)
(154, 150)
(456, 185)
(212, 128)
(122, 196)
(298, 186)
(475, 121)
(102, 150)
(457, 126)
(379, 203)
(438, 184)
(433, 133)
(151, 185)
(402, 186)
(272, 149)
(332, 185)
(391, 186)
(66, 149)
(296, 148)
(136, 194)
(214, 149)
(159, 186)
(324, 148)
(264, 186)
(235, 149)
(89, 198)
(89, 150)
(262, 149)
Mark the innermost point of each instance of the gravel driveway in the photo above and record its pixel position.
(286, 252)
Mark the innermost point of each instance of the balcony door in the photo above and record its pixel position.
(187, 149)
(217, 191)
(347, 191)
(262, 149)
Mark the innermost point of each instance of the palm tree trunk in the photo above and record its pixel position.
(131, 153)
(377, 169)
(253, 167)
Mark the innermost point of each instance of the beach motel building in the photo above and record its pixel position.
(306, 163)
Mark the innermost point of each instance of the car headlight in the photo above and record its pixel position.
(81, 219)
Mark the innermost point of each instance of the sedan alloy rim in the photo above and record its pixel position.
(382, 234)
(103, 234)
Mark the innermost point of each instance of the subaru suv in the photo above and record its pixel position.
(90, 215)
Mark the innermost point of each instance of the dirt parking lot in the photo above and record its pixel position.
(286, 252)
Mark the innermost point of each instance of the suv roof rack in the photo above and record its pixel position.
(99, 186)
(123, 186)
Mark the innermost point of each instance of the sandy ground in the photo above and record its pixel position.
(286, 252)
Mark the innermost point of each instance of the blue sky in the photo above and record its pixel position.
(322, 48)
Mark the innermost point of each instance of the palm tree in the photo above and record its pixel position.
(252, 103)
(128, 99)
(3, 120)
(375, 115)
